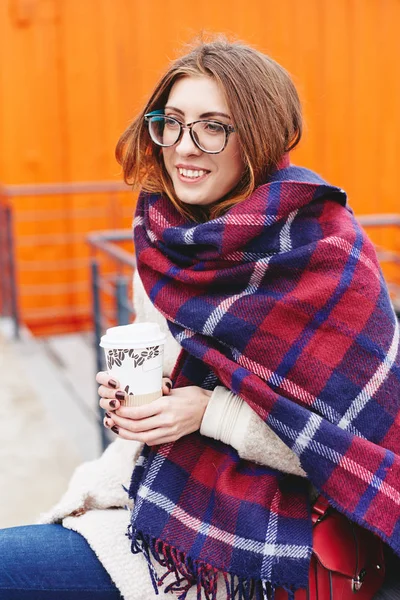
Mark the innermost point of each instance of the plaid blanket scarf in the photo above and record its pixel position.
(282, 301)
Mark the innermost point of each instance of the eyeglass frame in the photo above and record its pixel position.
(158, 113)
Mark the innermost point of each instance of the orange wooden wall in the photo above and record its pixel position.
(73, 73)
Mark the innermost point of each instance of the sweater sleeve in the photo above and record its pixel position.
(230, 420)
(100, 483)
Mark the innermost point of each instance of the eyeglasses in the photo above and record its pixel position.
(208, 136)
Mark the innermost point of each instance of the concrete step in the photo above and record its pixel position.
(61, 372)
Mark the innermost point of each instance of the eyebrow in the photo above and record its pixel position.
(205, 115)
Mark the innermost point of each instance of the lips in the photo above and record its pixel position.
(191, 173)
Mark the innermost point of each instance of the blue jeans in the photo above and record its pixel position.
(43, 562)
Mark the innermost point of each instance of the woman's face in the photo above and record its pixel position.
(206, 177)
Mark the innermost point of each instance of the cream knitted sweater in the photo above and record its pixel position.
(96, 504)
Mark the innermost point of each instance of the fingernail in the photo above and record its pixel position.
(112, 383)
(169, 385)
(112, 403)
(78, 512)
(108, 415)
(120, 395)
(115, 429)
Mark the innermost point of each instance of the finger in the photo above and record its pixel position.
(154, 438)
(106, 392)
(142, 412)
(103, 378)
(108, 418)
(138, 426)
(107, 422)
(108, 404)
(166, 386)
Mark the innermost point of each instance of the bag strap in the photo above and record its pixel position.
(319, 510)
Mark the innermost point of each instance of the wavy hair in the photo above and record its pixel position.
(265, 109)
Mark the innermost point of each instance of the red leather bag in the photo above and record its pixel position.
(347, 562)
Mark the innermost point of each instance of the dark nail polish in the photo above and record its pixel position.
(120, 395)
(108, 415)
(112, 403)
(115, 429)
(112, 383)
(169, 385)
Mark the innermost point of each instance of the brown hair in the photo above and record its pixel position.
(265, 110)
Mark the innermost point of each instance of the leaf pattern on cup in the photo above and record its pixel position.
(115, 357)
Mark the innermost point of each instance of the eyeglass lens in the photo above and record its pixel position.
(208, 135)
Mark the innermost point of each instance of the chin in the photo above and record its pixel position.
(194, 199)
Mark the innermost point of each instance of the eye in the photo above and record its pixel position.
(212, 127)
(171, 123)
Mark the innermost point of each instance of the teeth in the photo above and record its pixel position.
(191, 173)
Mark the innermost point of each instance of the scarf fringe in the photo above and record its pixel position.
(188, 572)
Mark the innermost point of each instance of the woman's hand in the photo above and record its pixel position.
(111, 395)
(167, 419)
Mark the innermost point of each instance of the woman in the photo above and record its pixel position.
(287, 382)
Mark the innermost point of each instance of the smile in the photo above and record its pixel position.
(192, 174)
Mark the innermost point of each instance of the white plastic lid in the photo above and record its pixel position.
(135, 335)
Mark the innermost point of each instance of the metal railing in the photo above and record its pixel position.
(110, 286)
(377, 221)
(114, 286)
(8, 280)
(24, 228)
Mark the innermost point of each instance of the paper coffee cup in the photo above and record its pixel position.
(134, 356)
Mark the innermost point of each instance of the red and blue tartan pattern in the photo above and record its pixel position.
(282, 301)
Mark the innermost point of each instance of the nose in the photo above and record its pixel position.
(186, 145)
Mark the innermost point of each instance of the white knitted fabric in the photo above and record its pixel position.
(98, 483)
(112, 546)
(229, 419)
